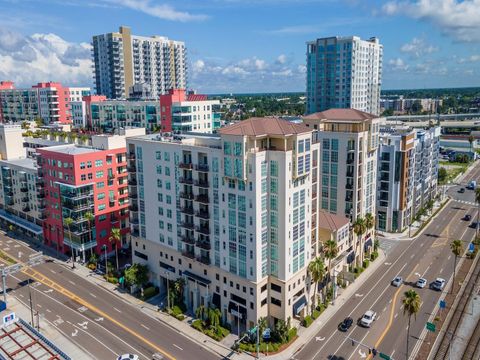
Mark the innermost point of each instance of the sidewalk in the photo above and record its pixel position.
(305, 335)
(48, 330)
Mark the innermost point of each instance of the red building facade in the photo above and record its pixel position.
(78, 181)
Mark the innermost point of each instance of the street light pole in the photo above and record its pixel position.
(238, 320)
(106, 271)
(168, 289)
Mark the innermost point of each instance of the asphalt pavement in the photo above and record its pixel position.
(428, 256)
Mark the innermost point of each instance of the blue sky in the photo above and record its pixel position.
(246, 45)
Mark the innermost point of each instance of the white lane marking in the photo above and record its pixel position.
(75, 333)
(390, 301)
(99, 319)
(71, 282)
(114, 308)
(21, 295)
(396, 315)
(318, 338)
(393, 352)
(358, 295)
(441, 270)
(82, 309)
(93, 295)
(421, 244)
(449, 256)
(52, 271)
(384, 309)
(178, 347)
(48, 291)
(49, 311)
(40, 306)
(145, 327)
(362, 354)
(413, 255)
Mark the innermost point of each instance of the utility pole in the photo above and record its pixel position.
(168, 289)
(258, 341)
(31, 304)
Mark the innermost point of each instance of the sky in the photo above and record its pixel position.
(245, 46)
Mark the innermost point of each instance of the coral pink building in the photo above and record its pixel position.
(79, 180)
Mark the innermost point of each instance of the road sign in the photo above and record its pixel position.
(252, 330)
(443, 304)
(471, 247)
(266, 334)
(121, 280)
(384, 356)
(430, 326)
(8, 319)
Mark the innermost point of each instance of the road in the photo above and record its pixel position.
(427, 256)
(98, 321)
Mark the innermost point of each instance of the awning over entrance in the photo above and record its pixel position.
(299, 305)
(351, 257)
(24, 224)
(368, 244)
(193, 277)
(237, 310)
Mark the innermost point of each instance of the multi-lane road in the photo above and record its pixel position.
(101, 323)
(427, 256)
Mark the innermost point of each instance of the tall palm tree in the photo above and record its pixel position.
(471, 139)
(262, 325)
(369, 222)
(359, 229)
(68, 223)
(330, 251)
(411, 305)
(477, 200)
(89, 217)
(456, 247)
(114, 238)
(317, 272)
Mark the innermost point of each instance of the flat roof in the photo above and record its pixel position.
(70, 149)
(28, 163)
(41, 141)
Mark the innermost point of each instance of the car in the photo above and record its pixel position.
(461, 191)
(438, 284)
(421, 283)
(368, 318)
(467, 217)
(397, 281)
(128, 357)
(345, 324)
(473, 225)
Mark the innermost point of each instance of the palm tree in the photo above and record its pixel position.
(200, 312)
(477, 200)
(330, 251)
(317, 272)
(262, 325)
(359, 228)
(456, 247)
(68, 223)
(214, 317)
(114, 238)
(471, 139)
(369, 222)
(89, 217)
(411, 305)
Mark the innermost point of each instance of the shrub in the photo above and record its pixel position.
(197, 325)
(292, 333)
(321, 307)
(315, 314)
(149, 292)
(92, 266)
(307, 321)
(366, 262)
(373, 255)
(112, 280)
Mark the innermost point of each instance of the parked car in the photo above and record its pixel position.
(345, 324)
(397, 281)
(421, 283)
(473, 225)
(461, 191)
(467, 217)
(368, 318)
(438, 284)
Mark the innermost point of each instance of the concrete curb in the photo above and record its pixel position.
(309, 333)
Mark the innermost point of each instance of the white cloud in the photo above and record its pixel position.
(282, 59)
(470, 59)
(398, 64)
(418, 47)
(161, 11)
(43, 57)
(297, 29)
(455, 18)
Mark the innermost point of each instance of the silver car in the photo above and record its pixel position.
(397, 281)
(421, 283)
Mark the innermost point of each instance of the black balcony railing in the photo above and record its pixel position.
(204, 259)
(202, 183)
(204, 244)
(183, 180)
(26, 208)
(187, 210)
(187, 224)
(25, 199)
(132, 182)
(203, 198)
(185, 165)
(24, 189)
(201, 167)
(187, 239)
(202, 214)
(186, 195)
(202, 229)
(189, 254)
(133, 207)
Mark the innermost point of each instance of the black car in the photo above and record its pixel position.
(461, 191)
(345, 324)
(467, 217)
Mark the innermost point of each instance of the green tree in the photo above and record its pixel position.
(137, 274)
(84, 139)
(369, 222)
(39, 121)
(68, 224)
(262, 325)
(214, 316)
(330, 251)
(359, 228)
(387, 112)
(471, 139)
(456, 247)
(25, 125)
(114, 238)
(316, 268)
(89, 217)
(411, 305)
(442, 175)
(280, 333)
(201, 312)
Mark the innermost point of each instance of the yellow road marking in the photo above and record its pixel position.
(50, 283)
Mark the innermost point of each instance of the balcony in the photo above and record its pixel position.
(187, 195)
(203, 245)
(186, 210)
(187, 239)
(132, 195)
(188, 254)
(77, 195)
(187, 225)
(186, 166)
(133, 221)
(202, 183)
(202, 198)
(132, 182)
(131, 155)
(132, 168)
(204, 259)
(203, 229)
(26, 208)
(9, 193)
(201, 167)
(135, 233)
(350, 173)
(25, 199)
(183, 180)
(202, 214)
(24, 189)
(133, 207)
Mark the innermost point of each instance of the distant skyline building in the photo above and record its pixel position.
(344, 72)
(122, 60)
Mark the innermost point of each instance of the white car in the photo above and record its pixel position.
(438, 284)
(128, 357)
(397, 281)
(368, 318)
(421, 283)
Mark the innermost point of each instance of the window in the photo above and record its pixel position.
(273, 168)
(166, 156)
(100, 196)
(89, 164)
(238, 149)
(158, 155)
(82, 165)
(101, 207)
(227, 148)
(98, 163)
(273, 186)
(99, 174)
(83, 177)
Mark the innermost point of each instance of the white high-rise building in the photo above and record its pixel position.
(344, 72)
(122, 60)
(231, 214)
(349, 141)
